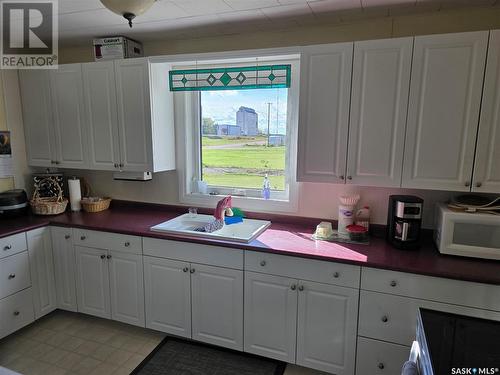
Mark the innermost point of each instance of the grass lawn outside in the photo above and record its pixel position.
(258, 157)
(208, 141)
(243, 180)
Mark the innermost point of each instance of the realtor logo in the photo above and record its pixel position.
(29, 34)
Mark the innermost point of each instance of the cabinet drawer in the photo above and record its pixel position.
(481, 296)
(196, 253)
(14, 274)
(305, 269)
(12, 245)
(380, 358)
(394, 318)
(16, 312)
(108, 241)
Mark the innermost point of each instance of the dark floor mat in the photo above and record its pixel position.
(179, 357)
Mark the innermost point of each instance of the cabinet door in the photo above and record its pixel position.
(92, 283)
(99, 89)
(64, 265)
(445, 96)
(327, 327)
(134, 114)
(69, 116)
(379, 104)
(270, 316)
(217, 306)
(168, 296)
(487, 165)
(42, 271)
(324, 112)
(127, 288)
(37, 117)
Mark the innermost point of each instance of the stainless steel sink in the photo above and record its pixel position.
(186, 224)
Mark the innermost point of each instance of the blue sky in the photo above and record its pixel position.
(222, 106)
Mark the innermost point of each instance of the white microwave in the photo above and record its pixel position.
(467, 234)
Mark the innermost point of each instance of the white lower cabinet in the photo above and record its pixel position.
(327, 327)
(168, 296)
(195, 301)
(92, 283)
(307, 323)
(126, 278)
(42, 271)
(65, 268)
(16, 311)
(270, 316)
(110, 284)
(380, 358)
(217, 306)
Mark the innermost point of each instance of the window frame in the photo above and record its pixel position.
(188, 124)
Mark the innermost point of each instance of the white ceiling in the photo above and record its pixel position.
(82, 20)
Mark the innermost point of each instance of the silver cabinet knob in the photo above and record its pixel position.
(349, 177)
(12, 276)
(121, 165)
(109, 257)
(467, 184)
(67, 237)
(83, 238)
(185, 269)
(16, 313)
(58, 162)
(52, 162)
(381, 366)
(301, 288)
(478, 184)
(7, 247)
(342, 177)
(394, 283)
(263, 263)
(192, 270)
(127, 244)
(293, 287)
(385, 319)
(336, 275)
(103, 256)
(116, 165)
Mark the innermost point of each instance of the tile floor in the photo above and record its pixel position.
(64, 343)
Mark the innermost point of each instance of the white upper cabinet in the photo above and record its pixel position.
(487, 164)
(445, 98)
(37, 117)
(379, 104)
(324, 112)
(134, 114)
(70, 124)
(102, 116)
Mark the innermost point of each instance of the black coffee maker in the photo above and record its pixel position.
(404, 221)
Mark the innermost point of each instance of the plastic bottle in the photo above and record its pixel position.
(363, 217)
(266, 188)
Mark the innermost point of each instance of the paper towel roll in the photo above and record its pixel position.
(75, 194)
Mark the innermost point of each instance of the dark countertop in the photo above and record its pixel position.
(286, 238)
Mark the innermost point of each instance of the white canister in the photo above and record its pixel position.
(75, 194)
(346, 218)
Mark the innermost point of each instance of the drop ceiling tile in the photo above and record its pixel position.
(286, 2)
(251, 4)
(197, 7)
(244, 15)
(377, 3)
(162, 10)
(321, 6)
(290, 10)
(93, 18)
(71, 6)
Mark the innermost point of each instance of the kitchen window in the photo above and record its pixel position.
(238, 141)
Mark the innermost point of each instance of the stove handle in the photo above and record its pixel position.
(404, 235)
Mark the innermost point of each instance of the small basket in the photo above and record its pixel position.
(90, 205)
(48, 205)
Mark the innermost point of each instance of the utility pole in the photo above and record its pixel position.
(268, 122)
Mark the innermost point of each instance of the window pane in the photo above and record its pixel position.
(243, 137)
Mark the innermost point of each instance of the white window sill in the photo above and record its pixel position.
(245, 203)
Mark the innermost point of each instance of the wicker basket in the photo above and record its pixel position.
(95, 205)
(48, 205)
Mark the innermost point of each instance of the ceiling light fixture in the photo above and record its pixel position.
(129, 9)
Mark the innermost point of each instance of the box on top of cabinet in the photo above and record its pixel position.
(117, 47)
